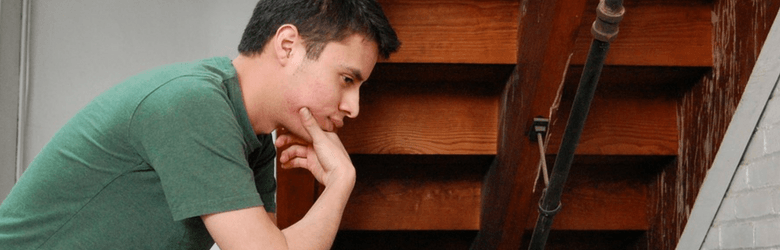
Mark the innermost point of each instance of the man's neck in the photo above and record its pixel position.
(258, 80)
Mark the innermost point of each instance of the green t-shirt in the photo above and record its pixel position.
(138, 165)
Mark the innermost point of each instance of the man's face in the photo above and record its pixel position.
(329, 86)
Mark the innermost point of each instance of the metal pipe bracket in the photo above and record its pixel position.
(539, 126)
(605, 28)
(549, 213)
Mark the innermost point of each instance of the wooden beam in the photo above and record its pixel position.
(706, 110)
(406, 240)
(546, 34)
(408, 110)
(416, 193)
(295, 194)
(628, 120)
(442, 192)
(454, 31)
(634, 111)
(655, 33)
(605, 196)
(424, 124)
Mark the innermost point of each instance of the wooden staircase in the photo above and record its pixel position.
(441, 145)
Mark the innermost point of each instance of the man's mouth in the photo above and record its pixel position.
(335, 124)
(338, 123)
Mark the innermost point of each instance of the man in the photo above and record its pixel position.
(180, 156)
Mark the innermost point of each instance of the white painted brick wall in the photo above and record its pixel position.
(766, 233)
(712, 241)
(749, 216)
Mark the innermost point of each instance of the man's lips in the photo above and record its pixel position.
(334, 125)
(337, 123)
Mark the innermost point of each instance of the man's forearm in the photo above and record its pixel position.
(318, 228)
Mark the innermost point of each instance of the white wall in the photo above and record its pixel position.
(10, 47)
(79, 48)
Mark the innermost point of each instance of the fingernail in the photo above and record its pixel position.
(305, 112)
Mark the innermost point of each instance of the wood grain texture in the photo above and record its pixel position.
(441, 115)
(424, 124)
(295, 194)
(443, 193)
(604, 197)
(546, 34)
(633, 111)
(454, 31)
(655, 33)
(416, 193)
(406, 240)
(622, 122)
(705, 111)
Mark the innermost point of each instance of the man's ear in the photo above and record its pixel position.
(284, 42)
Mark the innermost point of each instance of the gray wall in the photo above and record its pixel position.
(10, 47)
(79, 48)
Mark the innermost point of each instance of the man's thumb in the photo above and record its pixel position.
(309, 123)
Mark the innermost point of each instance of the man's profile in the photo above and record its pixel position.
(181, 156)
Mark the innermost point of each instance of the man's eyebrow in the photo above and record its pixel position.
(355, 72)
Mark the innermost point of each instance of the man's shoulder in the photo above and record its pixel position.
(216, 68)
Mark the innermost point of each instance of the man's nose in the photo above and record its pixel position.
(351, 103)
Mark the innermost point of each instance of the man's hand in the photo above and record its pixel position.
(325, 157)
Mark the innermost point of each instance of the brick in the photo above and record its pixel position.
(771, 114)
(776, 201)
(712, 240)
(754, 204)
(772, 135)
(736, 235)
(766, 232)
(763, 173)
(755, 148)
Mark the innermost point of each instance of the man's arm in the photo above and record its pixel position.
(252, 228)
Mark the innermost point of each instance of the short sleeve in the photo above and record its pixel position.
(186, 131)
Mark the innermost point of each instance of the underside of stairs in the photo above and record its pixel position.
(441, 147)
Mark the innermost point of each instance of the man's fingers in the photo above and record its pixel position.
(286, 140)
(310, 124)
(296, 163)
(293, 152)
(304, 163)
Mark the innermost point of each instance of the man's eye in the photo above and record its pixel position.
(347, 80)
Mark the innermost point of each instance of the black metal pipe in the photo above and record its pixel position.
(604, 31)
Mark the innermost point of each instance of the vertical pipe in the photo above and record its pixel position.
(24, 66)
(604, 31)
(550, 203)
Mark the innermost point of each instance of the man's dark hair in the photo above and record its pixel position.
(319, 22)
